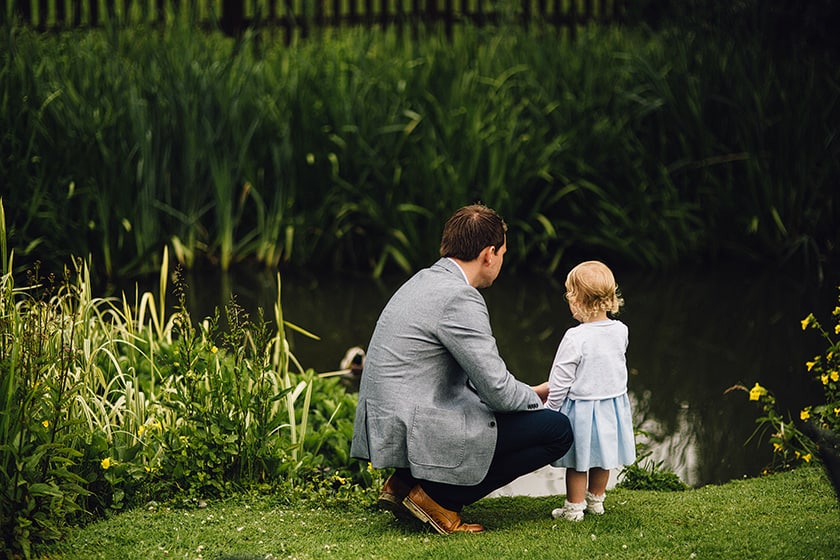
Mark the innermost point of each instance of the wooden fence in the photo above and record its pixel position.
(299, 17)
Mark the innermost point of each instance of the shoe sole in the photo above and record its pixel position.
(422, 516)
(395, 506)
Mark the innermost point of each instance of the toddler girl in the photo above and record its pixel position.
(588, 383)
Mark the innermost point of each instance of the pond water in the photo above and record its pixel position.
(693, 335)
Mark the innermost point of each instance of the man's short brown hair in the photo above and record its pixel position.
(469, 230)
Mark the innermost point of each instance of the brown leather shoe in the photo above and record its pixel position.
(429, 511)
(391, 498)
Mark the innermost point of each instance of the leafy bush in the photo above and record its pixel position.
(40, 456)
(649, 475)
(793, 443)
(107, 405)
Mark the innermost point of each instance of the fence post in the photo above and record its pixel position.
(526, 14)
(94, 14)
(414, 19)
(384, 13)
(42, 15)
(61, 15)
(22, 9)
(353, 13)
(233, 16)
(161, 12)
(450, 18)
(573, 20)
(431, 15)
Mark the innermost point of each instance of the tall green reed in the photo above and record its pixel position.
(349, 151)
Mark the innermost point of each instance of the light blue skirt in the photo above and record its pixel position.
(603, 431)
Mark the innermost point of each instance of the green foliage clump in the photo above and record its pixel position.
(108, 405)
(818, 430)
(650, 475)
(42, 443)
(825, 369)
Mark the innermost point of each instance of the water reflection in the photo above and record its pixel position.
(692, 336)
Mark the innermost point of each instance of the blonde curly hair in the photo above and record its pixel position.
(591, 288)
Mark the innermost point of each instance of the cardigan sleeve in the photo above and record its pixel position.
(563, 372)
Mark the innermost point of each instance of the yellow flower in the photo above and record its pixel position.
(810, 365)
(836, 310)
(757, 392)
(805, 414)
(807, 321)
(824, 379)
(837, 328)
(106, 463)
(777, 447)
(835, 376)
(214, 350)
(46, 423)
(837, 412)
(140, 430)
(807, 457)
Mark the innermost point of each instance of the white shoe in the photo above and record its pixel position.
(570, 511)
(595, 504)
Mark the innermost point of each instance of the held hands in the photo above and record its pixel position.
(542, 391)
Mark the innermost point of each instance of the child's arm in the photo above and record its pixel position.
(562, 373)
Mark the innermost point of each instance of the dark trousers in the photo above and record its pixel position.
(526, 441)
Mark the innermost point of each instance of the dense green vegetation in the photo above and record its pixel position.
(348, 150)
(108, 403)
(125, 146)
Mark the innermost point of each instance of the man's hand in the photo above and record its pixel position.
(542, 391)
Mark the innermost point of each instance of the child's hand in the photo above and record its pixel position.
(542, 391)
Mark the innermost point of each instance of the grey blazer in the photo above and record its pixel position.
(432, 380)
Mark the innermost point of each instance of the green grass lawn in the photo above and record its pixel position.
(792, 515)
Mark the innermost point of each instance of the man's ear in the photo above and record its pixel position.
(487, 253)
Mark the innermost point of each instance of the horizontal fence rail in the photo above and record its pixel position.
(299, 17)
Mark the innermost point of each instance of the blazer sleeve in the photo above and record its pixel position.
(465, 330)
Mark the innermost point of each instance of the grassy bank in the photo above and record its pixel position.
(788, 515)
